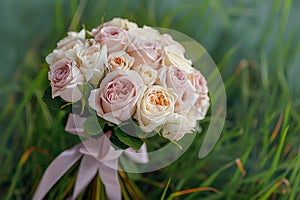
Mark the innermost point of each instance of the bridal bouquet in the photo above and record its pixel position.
(128, 73)
(127, 83)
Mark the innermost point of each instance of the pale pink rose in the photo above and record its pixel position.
(202, 104)
(155, 106)
(116, 98)
(201, 107)
(175, 78)
(198, 81)
(65, 77)
(120, 60)
(145, 52)
(121, 23)
(116, 39)
(67, 47)
(167, 40)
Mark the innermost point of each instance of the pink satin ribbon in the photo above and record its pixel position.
(97, 156)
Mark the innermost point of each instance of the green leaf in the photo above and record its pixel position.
(117, 143)
(121, 133)
(56, 103)
(92, 126)
(86, 89)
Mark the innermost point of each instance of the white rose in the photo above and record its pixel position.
(173, 56)
(65, 77)
(167, 40)
(92, 61)
(147, 73)
(176, 127)
(120, 60)
(67, 47)
(121, 23)
(146, 33)
(155, 106)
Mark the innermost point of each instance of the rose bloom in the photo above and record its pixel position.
(202, 104)
(176, 127)
(114, 38)
(121, 23)
(147, 73)
(174, 78)
(167, 40)
(155, 106)
(65, 76)
(120, 60)
(145, 52)
(92, 61)
(116, 98)
(146, 33)
(67, 47)
(173, 56)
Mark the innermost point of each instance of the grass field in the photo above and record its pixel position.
(256, 46)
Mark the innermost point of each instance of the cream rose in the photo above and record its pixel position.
(121, 23)
(147, 33)
(145, 52)
(167, 40)
(175, 78)
(120, 60)
(202, 104)
(67, 47)
(116, 39)
(155, 106)
(65, 77)
(176, 127)
(116, 98)
(173, 56)
(147, 73)
(92, 61)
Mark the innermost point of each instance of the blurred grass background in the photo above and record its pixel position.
(255, 44)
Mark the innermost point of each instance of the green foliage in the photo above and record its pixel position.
(126, 133)
(256, 47)
(56, 103)
(92, 127)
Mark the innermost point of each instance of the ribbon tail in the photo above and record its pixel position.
(110, 179)
(58, 167)
(141, 156)
(87, 171)
(75, 125)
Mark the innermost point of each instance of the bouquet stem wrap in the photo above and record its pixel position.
(97, 156)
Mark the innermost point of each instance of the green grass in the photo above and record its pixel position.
(256, 47)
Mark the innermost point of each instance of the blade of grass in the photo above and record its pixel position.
(165, 190)
(39, 79)
(78, 14)
(21, 163)
(59, 24)
(273, 188)
(274, 165)
(193, 190)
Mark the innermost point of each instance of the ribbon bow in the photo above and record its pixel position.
(97, 156)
